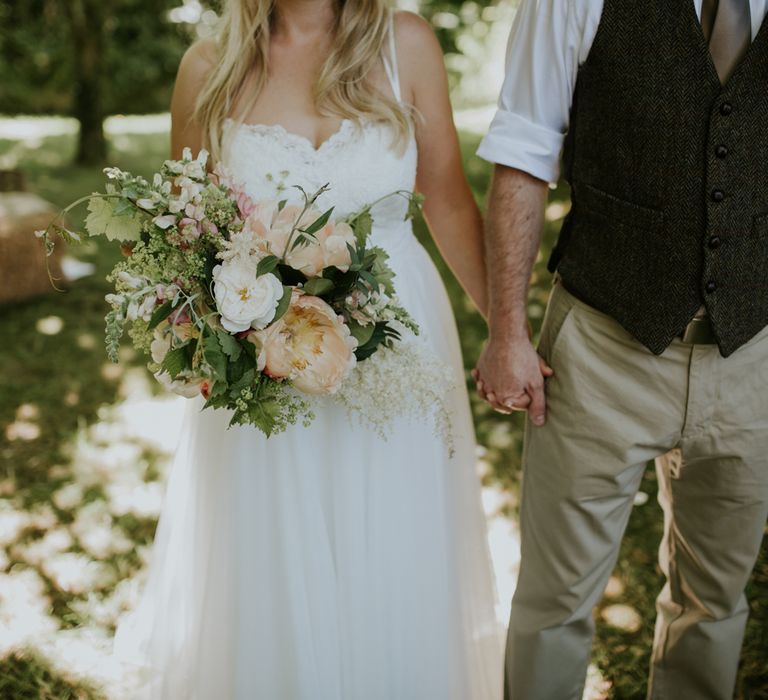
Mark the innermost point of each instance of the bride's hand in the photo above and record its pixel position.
(510, 376)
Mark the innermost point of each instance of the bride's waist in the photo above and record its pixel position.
(394, 237)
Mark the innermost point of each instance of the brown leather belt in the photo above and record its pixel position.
(699, 332)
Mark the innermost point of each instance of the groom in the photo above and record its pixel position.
(656, 328)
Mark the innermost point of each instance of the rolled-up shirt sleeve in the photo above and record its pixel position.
(548, 41)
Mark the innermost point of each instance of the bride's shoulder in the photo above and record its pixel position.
(412, 28)
(419, 54)
(199, 58)
(415, 39)
(196, 63)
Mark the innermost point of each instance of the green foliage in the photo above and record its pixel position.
(362, 224)
(177, 360)
(267, 265)
(318, 286)
(143, 50)
(285, 302)
(230, 345)
(215, 356)
(160, 314)
(114, 324)
(105, 219)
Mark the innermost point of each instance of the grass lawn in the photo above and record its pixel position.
(57, 388)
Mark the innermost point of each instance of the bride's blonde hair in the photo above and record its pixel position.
(343, 87)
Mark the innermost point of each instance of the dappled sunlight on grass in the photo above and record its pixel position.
(50, 325)
(73, 564)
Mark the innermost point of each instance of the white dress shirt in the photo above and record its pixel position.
(549, 40)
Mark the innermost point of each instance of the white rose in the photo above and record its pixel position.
(243, 299)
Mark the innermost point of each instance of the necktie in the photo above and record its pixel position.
(727, 27)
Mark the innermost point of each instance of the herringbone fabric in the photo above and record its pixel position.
(669, 179)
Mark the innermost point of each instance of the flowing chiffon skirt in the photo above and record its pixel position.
(324, 563)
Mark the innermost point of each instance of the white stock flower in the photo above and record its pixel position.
(243, 299)
(161, 343)
(132, 312)
(129, 280)
(114, 299)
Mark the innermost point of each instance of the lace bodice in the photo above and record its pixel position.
(359, 162)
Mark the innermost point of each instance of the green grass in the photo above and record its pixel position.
(61, 382)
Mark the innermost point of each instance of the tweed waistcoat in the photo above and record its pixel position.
(669, 179)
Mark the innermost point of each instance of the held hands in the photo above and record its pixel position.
(510, 377)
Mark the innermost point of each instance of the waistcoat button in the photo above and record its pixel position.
(714, 242)
(721, 151)
(726, 108)
(711, 286)
(718, 195)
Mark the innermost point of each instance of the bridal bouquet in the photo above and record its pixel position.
(255, 305)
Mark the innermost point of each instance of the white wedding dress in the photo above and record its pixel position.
(325, 563)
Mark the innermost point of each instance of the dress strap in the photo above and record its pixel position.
(390, 61)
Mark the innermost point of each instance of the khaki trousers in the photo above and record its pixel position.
(612, 407)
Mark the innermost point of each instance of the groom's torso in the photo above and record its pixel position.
(669, 176)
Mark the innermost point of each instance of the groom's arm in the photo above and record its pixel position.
(548, 42)
(510, 374)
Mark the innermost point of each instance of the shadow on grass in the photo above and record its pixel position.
(66, 541)
(28, 676)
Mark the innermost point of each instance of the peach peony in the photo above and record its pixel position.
(328, 249)
(310, 345)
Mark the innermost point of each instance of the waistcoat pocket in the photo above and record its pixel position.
(592, 201)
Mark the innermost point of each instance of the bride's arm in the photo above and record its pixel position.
(191, 76)
(449, 208)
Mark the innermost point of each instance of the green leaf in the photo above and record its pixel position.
(378, 336)
(249, 350)
(160, 314)
(245, 381)
(267, 265)
(103, 221)
(285, 302)
(415, 204)
(368, 277)
(318, 286)
(281, 204)
(229, 345)
(215, 356)
(302, 240)
(176, 361)
(361, 333)
(318, 223)
(237, 369)
(123, 206)
(362, 225)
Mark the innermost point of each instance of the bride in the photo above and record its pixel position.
(327, 563)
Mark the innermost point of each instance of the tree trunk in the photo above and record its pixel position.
(86, 20)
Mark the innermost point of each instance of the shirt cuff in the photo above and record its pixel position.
(518, 143)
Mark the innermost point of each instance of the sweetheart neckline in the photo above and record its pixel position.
(261, 128)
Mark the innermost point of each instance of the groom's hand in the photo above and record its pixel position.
(510, 377)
